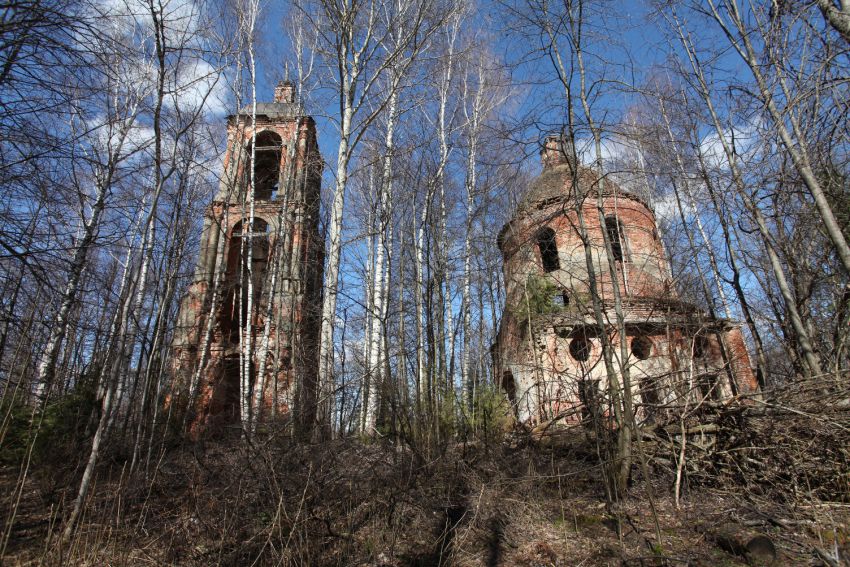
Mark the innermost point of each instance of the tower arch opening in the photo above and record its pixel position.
(234, 310)
(548, 249)
(509, 385)
(224, 407)
(267, 157)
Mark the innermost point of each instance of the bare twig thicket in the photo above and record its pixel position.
(731, 127)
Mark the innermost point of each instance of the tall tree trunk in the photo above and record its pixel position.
(797, 151)
(326, 390)
(470, 184)
(47, 364)
(377, 335)
(809, 356)
(249, 235)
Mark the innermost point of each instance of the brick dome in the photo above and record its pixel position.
(571, 229)
(555, 185)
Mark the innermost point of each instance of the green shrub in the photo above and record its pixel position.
(492, 415)
(538, 299)
(57, 431)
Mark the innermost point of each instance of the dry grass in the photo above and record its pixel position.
(351, 503)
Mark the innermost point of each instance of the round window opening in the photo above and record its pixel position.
(580, 349)
(641, 347)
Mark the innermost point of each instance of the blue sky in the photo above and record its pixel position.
(621, 51)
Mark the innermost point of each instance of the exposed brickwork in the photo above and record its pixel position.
(668, 342)
(287, 259)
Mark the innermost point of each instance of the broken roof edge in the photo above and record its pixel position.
(272, 111)
(530, 207)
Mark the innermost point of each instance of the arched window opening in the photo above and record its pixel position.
(548, 250)
(642, 347)
(580, 348)
(267, 169)
(234, 310)
(700, 347)
(616, 236)
(258, 228)
(509, 385)
(650, 395)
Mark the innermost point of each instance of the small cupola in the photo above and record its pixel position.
(284, 92)
(557, 150)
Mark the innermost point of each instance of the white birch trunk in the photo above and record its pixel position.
(326, 355)
(248, 237)
(370, 309)
(470, 184)
(47, 364)
(423, 387)
(377, 338)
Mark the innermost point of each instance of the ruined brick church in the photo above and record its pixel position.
(265, 276)
(548, 351)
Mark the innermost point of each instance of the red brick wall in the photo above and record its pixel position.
(644, 282)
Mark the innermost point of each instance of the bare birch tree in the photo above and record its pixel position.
(353, 42)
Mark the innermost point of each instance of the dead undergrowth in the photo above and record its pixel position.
(763, 483)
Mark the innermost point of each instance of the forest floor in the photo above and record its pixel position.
(351, 503)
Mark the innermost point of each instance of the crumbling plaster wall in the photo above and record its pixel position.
(296, 251)
(547, 380)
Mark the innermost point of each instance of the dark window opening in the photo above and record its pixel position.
(563, 332)
(548, 250)
(234, 310)
(224, 405)
(614, 228)
(641, 347)
(700, 346)
(286, 361)
(267, 166)
(709, 387)
(509, 385)
(561, 300)
(580, 349)
(650, 395)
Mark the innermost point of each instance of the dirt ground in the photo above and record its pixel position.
(350, 503)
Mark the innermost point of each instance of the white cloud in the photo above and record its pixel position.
(198, 82)
(742, 138)
(616, 149)
(666, 208)
(193, 80)
(105, 137)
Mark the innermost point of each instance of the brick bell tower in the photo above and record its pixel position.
(251, 313)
